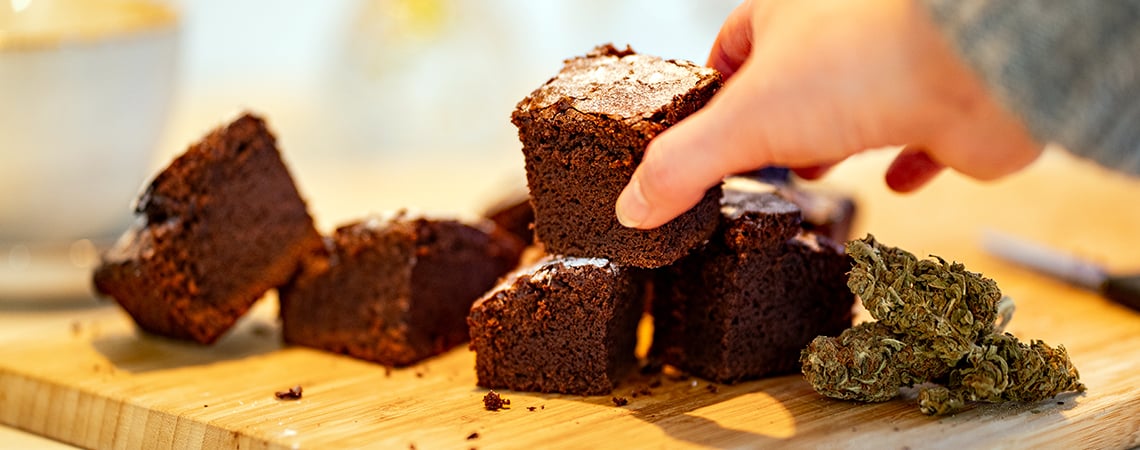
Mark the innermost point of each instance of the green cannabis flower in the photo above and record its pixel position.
(1001, 369)
(935, 323)
(868, 363)
(932, 301)
(940, 400)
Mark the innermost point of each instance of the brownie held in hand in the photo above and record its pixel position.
(585, 131)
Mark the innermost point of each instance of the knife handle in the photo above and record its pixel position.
(1124, 290)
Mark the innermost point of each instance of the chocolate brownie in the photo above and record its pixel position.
(397, 289)
(217, 228)
(583, 134)
(744, 306)
(565, 325)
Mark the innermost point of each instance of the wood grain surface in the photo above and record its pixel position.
(91, 380)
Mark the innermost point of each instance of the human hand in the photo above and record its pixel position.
(811, 82)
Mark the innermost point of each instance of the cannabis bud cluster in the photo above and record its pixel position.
(935, 322)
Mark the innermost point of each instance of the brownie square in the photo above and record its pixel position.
(565, 325)
(583, 134)
(395, 290)
(745, 305)
(217, 228)
(827, 213)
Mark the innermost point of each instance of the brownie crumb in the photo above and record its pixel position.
(387, 371)
(294, 393)
(620, 401)
(656, 383)
(473, 436)
(542, 407)
(531, 408)
(643, 390)
(419, 374)
(712, 388)
(205, 406)
(1060, 403)
(494, 402)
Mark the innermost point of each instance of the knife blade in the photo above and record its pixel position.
(1123, 289)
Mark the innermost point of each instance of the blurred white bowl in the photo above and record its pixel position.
(86, 86)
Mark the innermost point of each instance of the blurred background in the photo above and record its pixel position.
(377, 104)
(375, 94)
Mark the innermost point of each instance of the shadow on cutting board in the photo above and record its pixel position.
(673, 402)
(141, 352)
(789, 411)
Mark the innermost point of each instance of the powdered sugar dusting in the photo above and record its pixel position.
(380, 220)
(542, 270)
(573, 261)
(548, 268)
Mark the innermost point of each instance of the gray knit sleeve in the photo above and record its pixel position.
(1070, 69)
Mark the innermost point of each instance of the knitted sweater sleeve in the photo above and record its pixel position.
(1069, 69)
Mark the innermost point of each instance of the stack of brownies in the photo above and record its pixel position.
(735, 285)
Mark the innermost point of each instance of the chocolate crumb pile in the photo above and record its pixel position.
(494, 402)
(294, 393)
(620, 401)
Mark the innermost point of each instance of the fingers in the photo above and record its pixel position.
(987, 148)
(911, 169)
(734, 41)
(678, 167)
(684, 161)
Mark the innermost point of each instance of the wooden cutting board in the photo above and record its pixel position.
(96, 382)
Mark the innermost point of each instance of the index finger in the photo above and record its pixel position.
(734, 41)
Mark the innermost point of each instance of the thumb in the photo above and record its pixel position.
(687, 159)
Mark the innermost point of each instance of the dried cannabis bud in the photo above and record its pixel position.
(939, 400)
(928, 300)
(935, 323)
(868, 363)
(1002, 369)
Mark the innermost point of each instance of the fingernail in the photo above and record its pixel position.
(632, 209)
